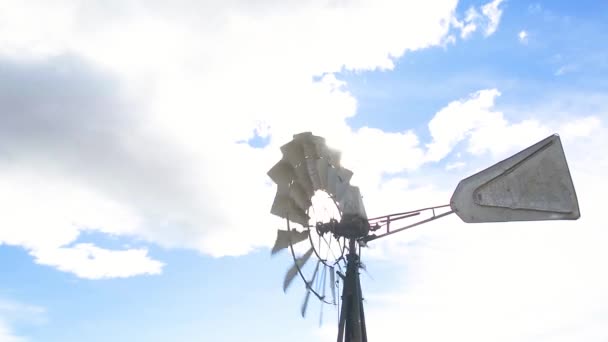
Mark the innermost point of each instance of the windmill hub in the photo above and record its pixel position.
(350, 227)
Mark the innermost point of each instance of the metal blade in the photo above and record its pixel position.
(307, 297)
(534, 184)
(300, 196)
(303, 179)
(313, 172)
(284, 206)
(285, 237)
(282, 173)
(332, 280)
(293, 152)
(293, 271)
(337, 181)
(334, 157)
(323, 280)
(351, 203)
(305, 303)
(321, 316)
(322, 166)
(311, 144)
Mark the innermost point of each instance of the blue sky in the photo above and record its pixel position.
(134, 211)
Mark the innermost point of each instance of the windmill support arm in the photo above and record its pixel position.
(387, 220)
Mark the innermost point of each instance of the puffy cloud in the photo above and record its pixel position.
(127, 118)
(488, 20)
(455, 122)
(493, 13)
(525, 281)
(523, 37)
(88, 261)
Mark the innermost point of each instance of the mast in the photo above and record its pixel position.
(351, 327)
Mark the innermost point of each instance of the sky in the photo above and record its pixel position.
(135, 137)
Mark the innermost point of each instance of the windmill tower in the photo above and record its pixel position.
(532, 185)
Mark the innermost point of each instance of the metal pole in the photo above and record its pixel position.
(361, 314)
(352, 322)
(344, 309)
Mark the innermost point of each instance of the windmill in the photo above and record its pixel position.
(532, 185)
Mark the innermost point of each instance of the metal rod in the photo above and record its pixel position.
(392, 219)
(408, 212)
(375, 237)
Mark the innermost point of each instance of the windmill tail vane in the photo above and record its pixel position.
(532, 185)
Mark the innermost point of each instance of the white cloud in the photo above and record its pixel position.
(527, 281)
(453, 123)
(6, 334)
(140, 141)
(504, 282)
(123, 118)
(565, 69)
(470, 26)
(488, 20)
(12, 312)
(455, 165)
(88, 261)
(493, 13)
(523, 37)
(581, 127)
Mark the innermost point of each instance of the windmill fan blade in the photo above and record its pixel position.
(282, 173)
(308, 165)
(337, 181)
(287, 237)
(351, 203)
(307, 297)
(321, 317)
(293, 152)
(286, 207)
(305, 303)
(332, 280)
(291, 273)
(322, 166)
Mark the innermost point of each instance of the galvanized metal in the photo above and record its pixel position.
(351, 327)
(309, 165)
(285, 238)
(533, 185)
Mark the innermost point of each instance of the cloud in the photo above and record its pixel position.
(86, 260)
(526, 281)
(13, 312)
(6, 335)
(493, 14)
(523, 37)
(126, 118)
(565, 69)
(488, 20)
(453, 123)
(456, 165)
